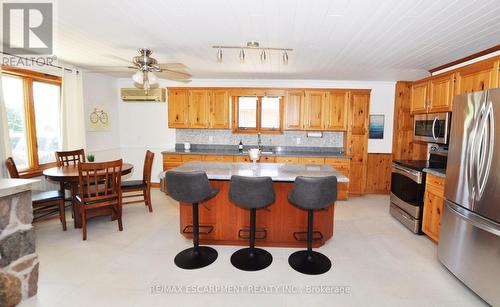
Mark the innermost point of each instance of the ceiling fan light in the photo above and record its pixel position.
(285, 57)
(263, 56)
(219, 55)
(138, 77)
(242, 55)
(152, 78)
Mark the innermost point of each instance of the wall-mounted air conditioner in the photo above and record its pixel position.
(137, 94)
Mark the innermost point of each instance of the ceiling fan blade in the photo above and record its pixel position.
(179, 74)
(176, 66)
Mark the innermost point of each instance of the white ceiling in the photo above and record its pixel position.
(332, 39)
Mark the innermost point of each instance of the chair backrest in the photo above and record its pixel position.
(72, 157)
(12, 168)
(100, 181)
(188, 187)
(314, 192)
(148, 166)
(251, 192)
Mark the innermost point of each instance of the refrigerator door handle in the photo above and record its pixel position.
(484, 148)
(434, 128)
(474, 219)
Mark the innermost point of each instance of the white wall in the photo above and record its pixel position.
(102, 91)
(144, 126)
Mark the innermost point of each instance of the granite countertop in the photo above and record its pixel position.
(277, 171)
(285, 151)
(439, 172)
(13, 186)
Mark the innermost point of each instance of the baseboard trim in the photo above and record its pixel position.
(155, 185)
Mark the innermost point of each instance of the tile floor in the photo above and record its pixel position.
(375, 259)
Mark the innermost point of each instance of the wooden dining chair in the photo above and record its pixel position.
(99, 188)
(143, 186)
(47, 202)
(71, 157)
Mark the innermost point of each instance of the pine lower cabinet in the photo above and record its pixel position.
(433, 206)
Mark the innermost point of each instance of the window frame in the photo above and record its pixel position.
(28, 77)
(258, 129)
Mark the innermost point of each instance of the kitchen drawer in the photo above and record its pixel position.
(267, 159)
(172, 158)
(287, 160)
(435, 183)
(312, 160)
(338, 162)
(241, 159)
(191, 158)
(170, 165)
(210, 158)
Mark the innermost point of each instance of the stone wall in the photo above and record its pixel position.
(18, 259)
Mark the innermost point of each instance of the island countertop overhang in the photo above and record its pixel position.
(277, 171)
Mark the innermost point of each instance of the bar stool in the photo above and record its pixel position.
(251, 193)
(192, 188)
(312, 193)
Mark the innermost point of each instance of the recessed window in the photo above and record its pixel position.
(247, 112)
(257, 114)
(32, 105)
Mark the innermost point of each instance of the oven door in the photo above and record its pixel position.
(431, 127)
(407, 189)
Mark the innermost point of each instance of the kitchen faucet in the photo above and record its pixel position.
(259, 141)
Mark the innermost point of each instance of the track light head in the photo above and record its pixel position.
(219, 55)
(263, 55)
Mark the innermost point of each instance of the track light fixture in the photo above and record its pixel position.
(253, 45)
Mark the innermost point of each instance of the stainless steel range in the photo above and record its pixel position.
(408, 187)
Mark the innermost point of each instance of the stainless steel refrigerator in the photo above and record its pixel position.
(469, 243)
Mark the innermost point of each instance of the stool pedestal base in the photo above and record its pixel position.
(246, 261)
(309, 262)
(195, 257)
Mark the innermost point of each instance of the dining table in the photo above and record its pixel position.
(69, 174)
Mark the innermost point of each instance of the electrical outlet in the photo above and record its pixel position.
(298, 141)
(211, 138)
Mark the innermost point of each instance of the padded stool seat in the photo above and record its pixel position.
(251, 193)
(312, 193)
(193, 188)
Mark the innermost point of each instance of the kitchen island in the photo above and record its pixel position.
(279, 220)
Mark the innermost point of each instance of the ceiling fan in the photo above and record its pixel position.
(148, 70)
(147, 66)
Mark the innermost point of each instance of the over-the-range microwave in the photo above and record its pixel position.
(432, 127)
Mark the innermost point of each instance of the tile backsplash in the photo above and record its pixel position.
(288, 138)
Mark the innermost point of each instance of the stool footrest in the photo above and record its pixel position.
(257, 230)
(298, 235)
(189, 229)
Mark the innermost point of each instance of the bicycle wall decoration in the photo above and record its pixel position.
(98, 120)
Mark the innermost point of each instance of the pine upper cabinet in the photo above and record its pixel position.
(178, 109)
(314, 109)
(198, 109)
(478, 77)
(441, 91)
(219, 109)
(335, 111)
(419, 97)
(293, 110)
